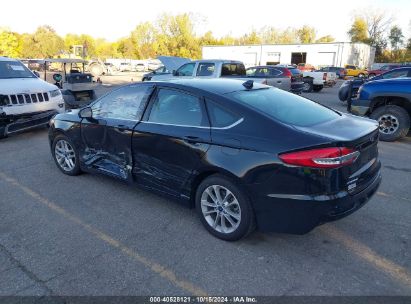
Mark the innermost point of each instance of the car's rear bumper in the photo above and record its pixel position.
(297, 87)
(299, 214)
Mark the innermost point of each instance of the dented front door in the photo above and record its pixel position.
(107, 135)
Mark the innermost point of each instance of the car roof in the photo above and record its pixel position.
(7, 59)
(216, 86)
(268, 66)
(218, 60)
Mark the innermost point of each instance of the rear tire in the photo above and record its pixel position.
(361, 75)
(308, 86)
(394, 122)
(224, 209)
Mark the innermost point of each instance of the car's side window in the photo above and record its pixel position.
(125, 103)
(177, 108)
(220, 117)
(205, 69)
(186, 70)
(395, 74)
(275, 72)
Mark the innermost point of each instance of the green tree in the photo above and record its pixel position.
(44, 43)
(143, 38)
(269, 35)
(396, 38)
(289, 35)
(327, 38)
(358, 31)
(9, 43)
(250, 38)
(306, 34)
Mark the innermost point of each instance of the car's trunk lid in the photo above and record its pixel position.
(359, 134)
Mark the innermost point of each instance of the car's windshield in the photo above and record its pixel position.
(285, 107)
(14, 69)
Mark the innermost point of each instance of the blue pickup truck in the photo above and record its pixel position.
(389, 102)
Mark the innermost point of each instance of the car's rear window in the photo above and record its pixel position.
(233, 69)
(285, 107)
(295, 71)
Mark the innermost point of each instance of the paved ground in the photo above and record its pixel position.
(91, 235)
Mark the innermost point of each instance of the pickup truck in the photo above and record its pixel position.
(353, 85)
(316, 81)
(26, 101)
(389, 102)
(184, 68)
(355, 71)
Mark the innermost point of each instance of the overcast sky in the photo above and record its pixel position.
(115, 19)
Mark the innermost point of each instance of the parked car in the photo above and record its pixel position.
(244, 154)
(354, 85)
(140, 67)
(389, 102)
(341, 72)
(355, 71)
(125, 67)
(159, 71)
(305, 67)
(111, 68)
(218, 69)
(26, 101)
(274, 76)
(385, 68)
(316, 81)
(200, 68)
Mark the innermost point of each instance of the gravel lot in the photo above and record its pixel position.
(92, 235)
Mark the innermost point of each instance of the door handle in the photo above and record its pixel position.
(193, 140)
(279, 81)
(122, 128)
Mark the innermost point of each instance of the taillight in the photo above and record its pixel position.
(325, 76)
(321, 158)
(287, 73)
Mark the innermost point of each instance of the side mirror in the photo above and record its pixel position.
(175, 73)
(86, 113)
(57, 77)
(37, 74)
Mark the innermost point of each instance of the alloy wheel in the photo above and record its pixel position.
(388, 124)
(306, 86)
(220, 209)
(65, 155)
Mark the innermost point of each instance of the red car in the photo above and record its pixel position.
(305, 67)
(382, 69)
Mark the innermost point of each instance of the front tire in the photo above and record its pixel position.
(394, 122)
(224, 209)
(66, 155)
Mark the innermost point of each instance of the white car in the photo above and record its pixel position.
(26, 101)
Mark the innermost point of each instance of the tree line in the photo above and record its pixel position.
(175, 35)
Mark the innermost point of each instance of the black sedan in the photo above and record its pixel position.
(245, 155)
